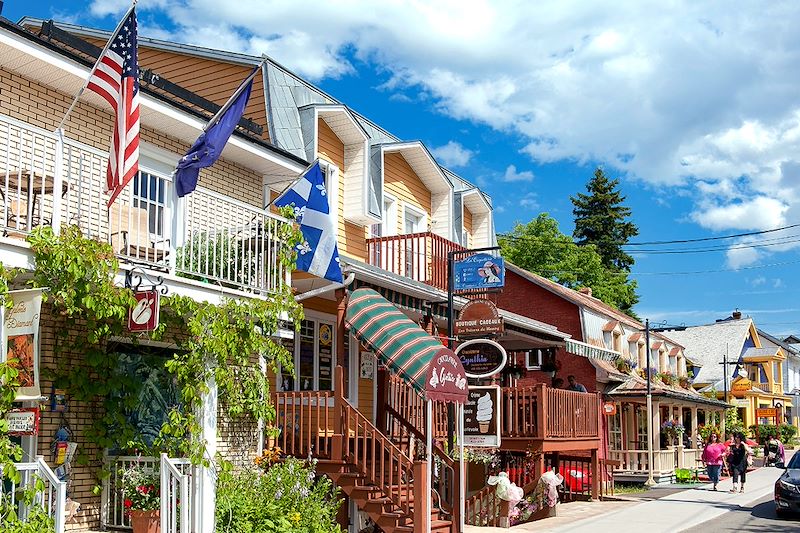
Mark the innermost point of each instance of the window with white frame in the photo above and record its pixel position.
(149, 194)
(388, 224)
(615, 430)
(533, 359)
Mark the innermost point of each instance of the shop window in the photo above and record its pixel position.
(615, 431)
(150, 391)
(313, 350)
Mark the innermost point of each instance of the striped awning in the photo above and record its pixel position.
(405, 348)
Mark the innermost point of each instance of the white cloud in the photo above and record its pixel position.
(453, 154)
(684, 93)
(777, 283)
(529, 201)
(511, 175)
(760, 280)
(759, 213)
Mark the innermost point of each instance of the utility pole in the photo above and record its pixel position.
(650, 481)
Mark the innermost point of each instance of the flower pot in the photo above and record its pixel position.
(146, 521)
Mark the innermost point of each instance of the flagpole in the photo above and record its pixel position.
(298, 178)
(236, 94)
(99, 58)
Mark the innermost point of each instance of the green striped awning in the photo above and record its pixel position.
(400, 344)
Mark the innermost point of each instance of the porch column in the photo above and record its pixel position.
(695, 432)
(207, 489)
(656, 426)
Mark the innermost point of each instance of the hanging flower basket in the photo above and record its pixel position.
(668, 378)
(624, 365)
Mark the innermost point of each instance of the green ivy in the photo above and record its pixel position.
(221, 342)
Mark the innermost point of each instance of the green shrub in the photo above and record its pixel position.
(287, 498)
(763, 432)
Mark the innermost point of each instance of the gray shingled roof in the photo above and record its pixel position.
(761, 352)
(706, 345)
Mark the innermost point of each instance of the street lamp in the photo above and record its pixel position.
(650, 481)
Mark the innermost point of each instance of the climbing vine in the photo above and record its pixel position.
(9, 452)
(224, 342)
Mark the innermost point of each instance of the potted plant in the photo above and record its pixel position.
(684, 382)
(648, 373)
(141, 492)
(668, 378)
(672, 429)
(624, 365)
(513, 370)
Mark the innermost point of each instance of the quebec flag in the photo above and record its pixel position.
(317, 254)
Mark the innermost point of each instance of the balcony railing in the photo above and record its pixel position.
(418, 256)
(46, 180)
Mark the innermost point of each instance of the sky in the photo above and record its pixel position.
(693, 106)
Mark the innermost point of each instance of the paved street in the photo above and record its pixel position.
(758, 516)
(692, 510)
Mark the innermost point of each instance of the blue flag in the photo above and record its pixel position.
(208, 147)
(318, 253)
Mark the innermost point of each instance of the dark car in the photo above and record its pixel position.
(787, 488)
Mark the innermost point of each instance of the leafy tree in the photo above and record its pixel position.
(541, 248)
(601, 219)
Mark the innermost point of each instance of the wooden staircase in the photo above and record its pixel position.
(385, 482)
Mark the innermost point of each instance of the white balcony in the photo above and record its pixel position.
(206, 237)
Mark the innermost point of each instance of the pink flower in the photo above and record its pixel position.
(128, 504)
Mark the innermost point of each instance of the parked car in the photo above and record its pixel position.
(577, 478)
(787, 487)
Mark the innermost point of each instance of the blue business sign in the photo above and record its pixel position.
(480, 271)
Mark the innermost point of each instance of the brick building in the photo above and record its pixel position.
(617, 369)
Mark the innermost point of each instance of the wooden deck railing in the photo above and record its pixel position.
(486, 509)
(306, 422)
(419, 256)
(543, 412)
(572, 414)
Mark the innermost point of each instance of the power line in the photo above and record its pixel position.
(512, 236)
(677, 273)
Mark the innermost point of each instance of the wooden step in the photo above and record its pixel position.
(437, 526)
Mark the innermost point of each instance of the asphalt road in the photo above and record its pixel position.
(756, 517)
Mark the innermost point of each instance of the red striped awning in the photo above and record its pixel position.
(405, 348)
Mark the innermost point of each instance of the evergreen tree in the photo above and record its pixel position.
(601, 220)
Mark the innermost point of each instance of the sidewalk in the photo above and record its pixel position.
(670, 513)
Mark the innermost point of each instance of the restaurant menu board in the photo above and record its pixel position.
(482, 417)
(325, 357)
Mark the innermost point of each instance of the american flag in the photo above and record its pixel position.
(115, 77)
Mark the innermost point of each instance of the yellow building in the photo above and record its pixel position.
(732, 360)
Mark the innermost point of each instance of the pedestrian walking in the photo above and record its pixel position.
(739, 457)
(713, 457)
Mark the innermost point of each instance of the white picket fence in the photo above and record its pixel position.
(53, 499)
(180, 496)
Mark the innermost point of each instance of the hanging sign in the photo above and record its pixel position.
(23, 422)
(741, 385)
(20, 340)
(143, 316)
(482, 358)
(479, 271)
(609, 408)
(446, 380)
(482, 417)
(479, 317)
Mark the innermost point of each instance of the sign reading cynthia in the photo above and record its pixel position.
(482, 358)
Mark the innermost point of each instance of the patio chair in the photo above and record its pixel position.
(129, 233)
(17, 217)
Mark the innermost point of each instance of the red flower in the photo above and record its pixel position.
(142, 489)
(128, 504)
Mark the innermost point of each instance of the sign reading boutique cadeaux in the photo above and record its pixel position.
(482, 417)
(20, 340)
(479, 317)
(482, 358)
